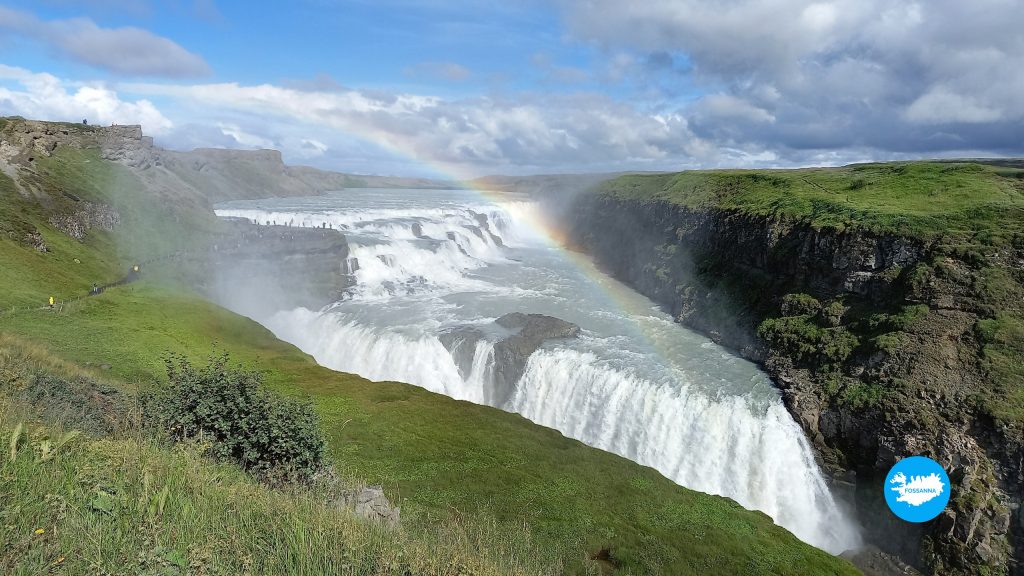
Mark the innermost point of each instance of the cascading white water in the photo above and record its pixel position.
(635, 383)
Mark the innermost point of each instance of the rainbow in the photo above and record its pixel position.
(551, 233)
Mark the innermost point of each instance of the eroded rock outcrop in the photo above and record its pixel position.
(256, 269)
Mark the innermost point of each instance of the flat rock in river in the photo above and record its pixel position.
(528, 333)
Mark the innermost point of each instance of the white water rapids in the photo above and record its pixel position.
(634, 382)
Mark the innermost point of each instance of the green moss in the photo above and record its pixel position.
(998, 287)
(1002, 352)
(899, 321)
(919, 277)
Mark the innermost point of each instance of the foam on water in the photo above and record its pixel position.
(635, 383)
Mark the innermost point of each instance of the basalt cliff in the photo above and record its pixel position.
(886, 341)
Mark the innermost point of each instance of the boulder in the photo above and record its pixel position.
(368, 503)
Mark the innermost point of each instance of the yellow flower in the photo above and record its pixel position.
(40, 531)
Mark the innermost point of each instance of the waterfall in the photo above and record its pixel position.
(424, 267)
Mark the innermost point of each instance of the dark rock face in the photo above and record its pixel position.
(723, 273)
(417, 230)
(266, 268)
(511, 354)
(529, 332)
(485, 228)
(461, 344)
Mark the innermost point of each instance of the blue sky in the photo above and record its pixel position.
(470, 87)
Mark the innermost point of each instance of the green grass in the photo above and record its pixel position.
(440, 458)
(437, 454)
(134, 506)
(924, 199)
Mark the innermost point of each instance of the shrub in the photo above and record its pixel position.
(267, 434)
(919, 278)
(899, 321)
(832, 315)
(908, 315)
(805, 341)
(800, 305)
(836, 344)
(860, 396)
(890, 342)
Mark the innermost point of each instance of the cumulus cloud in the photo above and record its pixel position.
(127, 51)
(242, 138)
(472, 135)
(896, 77)
(728, 106)
(47, 97)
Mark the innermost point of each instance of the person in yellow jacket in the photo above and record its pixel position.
(51, 302)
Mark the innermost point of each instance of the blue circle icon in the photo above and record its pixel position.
(917, 489)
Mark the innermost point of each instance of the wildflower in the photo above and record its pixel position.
(40, 531)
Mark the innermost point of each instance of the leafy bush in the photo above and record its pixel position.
(267, 434)
(899, 321)
(919, 277)
(800, 305)
(890, 342)
(860, 395)
(804, 340)
(832, 314)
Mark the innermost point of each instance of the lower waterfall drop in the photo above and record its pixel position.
(429, 264)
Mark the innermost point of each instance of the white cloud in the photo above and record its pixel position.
(470, 135)
(729, 106)
(243, 138)
(832, 74)
(44, 96)
(940, 106)
(314, 147)
(127, 51)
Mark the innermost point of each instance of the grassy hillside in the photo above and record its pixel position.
(214, 520)
(448, 463)
(126, 504)
(924, 199)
